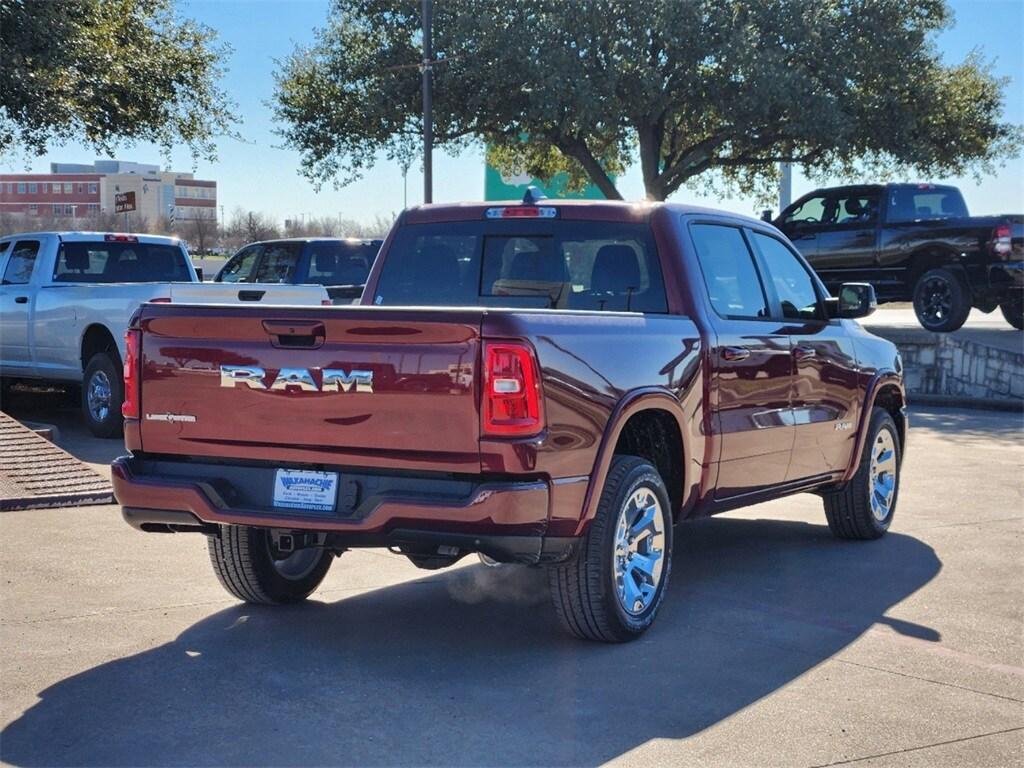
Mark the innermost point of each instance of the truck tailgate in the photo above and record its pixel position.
(239, 382)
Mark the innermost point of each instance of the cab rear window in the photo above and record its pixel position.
(105, 262)
(551, 264)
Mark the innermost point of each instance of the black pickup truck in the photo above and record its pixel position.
(913, 242)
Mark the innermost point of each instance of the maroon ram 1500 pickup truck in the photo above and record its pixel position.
(552, 383)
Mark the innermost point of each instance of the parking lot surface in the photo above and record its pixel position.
(777, 645)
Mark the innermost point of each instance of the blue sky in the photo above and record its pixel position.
(257, 174)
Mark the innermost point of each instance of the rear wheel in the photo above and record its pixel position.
(1013, 310)
(102, 395)
(942, 300)
(614, 587)
(864, 507)
(250, 567)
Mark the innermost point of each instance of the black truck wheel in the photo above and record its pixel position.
(612, 589)
(864, 507)
(249, 567)
(942, 300)
(102, 395)
(1013, 310)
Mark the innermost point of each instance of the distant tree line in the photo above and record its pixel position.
(203, 233)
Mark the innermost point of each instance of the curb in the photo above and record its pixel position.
(958, 401)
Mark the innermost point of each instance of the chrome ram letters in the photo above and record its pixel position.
(332, 379)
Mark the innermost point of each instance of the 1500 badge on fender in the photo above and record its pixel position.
(332, 379)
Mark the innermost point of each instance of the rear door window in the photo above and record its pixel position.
(279, 263)
(730, 274)
(552, 264)
(21, 263)
(811, 211)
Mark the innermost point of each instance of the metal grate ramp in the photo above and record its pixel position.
(36, 473)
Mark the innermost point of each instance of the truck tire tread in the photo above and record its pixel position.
(246, 571)
(578, 587)
(847, 509)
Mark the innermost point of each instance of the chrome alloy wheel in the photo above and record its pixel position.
(639, 551)
(98, 396)
(295, 565)
(883, 475)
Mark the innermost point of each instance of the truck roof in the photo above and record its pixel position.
(594, 210)
(67, 236)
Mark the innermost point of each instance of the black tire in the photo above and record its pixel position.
(242, 559)
(102, 395)
(942, 300)
(1013, 310)
(851, 511)
(585, 590)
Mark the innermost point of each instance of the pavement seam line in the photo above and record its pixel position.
(918, 749)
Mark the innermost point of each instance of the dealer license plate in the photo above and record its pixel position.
(303, 489)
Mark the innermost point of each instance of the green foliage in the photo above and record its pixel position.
(705, 91)
(106, 72)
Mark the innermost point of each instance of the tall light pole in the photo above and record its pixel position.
(428, 125)
(785, 185)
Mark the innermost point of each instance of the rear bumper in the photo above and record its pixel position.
(505, 520)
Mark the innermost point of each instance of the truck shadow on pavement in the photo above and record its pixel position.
(468, 667)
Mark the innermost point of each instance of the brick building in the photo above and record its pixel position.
(77, 191)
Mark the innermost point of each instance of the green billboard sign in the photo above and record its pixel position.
(499, 187)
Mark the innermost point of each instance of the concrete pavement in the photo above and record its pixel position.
(777, 645)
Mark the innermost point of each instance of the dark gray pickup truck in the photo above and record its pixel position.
(913, 242)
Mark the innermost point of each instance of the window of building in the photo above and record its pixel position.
(69, 210)
(21, 188)
(94, 207)
(93, 187)
(80, 188)
(55, 188)
(10, 188)
(44, 187)
(33, 209)
(68, 188)
(33, 188)
(57, 209)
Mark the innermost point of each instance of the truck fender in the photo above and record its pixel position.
(880, 381)
(633, 402)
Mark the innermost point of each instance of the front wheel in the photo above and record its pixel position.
(1013, 310)
(864, 507)
(942, 300)
(102, 395)
(249, 566)
(613, 589)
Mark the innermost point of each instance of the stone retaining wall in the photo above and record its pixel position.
(954, 366)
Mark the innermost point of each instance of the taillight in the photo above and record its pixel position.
(132, 341)
(160, 300)
(1002, 242)
(512, 404)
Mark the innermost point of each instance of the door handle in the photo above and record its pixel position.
(804, 353)
(734, 354)
(21, 299)
(250, 295)
(806, 237)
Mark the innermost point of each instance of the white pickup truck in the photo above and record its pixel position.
(66, 299)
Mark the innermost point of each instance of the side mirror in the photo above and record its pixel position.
(766, 215)
(855, 300)
(199, 273)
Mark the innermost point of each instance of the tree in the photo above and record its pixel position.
(199, 229)
(106, 72)
(730, 87)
